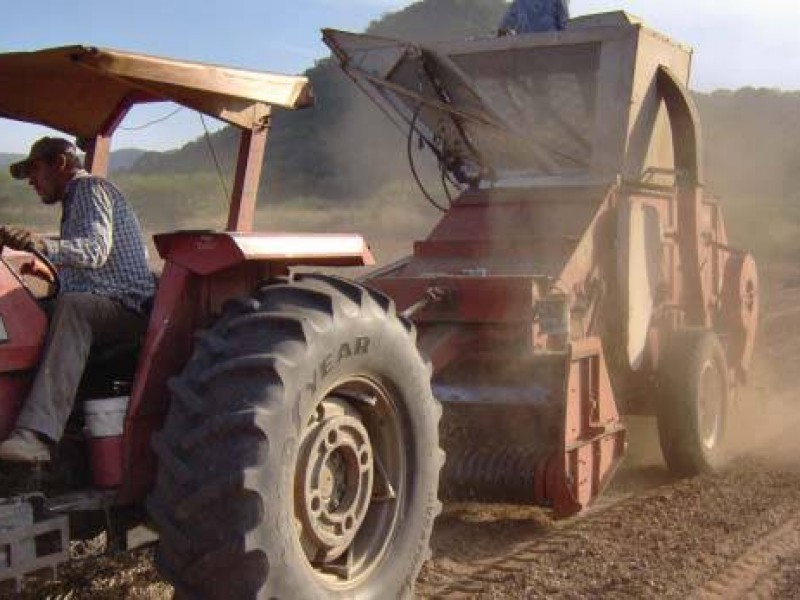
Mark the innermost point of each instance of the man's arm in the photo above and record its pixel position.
(87, 229)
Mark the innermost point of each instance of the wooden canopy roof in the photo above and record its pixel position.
(85, 91)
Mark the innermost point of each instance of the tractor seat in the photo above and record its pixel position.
(115, 361)
(112, 367)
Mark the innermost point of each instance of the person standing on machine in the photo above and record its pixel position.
(529, 16)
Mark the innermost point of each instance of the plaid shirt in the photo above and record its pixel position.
(101, 249)
(527, 16)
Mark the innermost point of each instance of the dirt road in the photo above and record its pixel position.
(729, 535)
(735, 534)
(720, 536)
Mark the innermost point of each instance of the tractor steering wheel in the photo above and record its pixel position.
(49, 275)
(54, 278)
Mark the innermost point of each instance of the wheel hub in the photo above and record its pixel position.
(336, 474)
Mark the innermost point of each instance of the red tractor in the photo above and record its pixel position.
(283, 429)
(279, 430)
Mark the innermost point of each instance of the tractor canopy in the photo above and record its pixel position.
(84, 91)
(579, 104)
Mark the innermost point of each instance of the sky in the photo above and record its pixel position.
(737, 42)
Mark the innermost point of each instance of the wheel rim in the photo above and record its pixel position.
(349, 481)
(711, 405)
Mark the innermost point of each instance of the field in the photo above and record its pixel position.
(732, 534)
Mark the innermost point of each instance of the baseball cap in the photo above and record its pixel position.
(46, 147)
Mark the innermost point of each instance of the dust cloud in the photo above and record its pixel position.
(768, 409)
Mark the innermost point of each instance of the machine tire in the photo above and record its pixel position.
(693, 404)
(300, 456)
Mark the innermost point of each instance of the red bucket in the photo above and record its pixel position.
(105, 455)
(105, 423)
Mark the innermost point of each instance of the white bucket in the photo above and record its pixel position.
(105, 417)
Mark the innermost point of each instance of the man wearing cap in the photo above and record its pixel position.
(105, 285)
(529, 16)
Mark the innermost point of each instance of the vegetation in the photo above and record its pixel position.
(20, 206)
(344, 148)
(162, 201)
(342, 165)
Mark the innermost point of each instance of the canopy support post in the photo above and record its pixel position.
(98, 148)
(252, 143)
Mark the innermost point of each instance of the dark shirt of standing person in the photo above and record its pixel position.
(529, 16)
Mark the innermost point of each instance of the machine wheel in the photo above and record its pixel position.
(693, 403)
(300, 457)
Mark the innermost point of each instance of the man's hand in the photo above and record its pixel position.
(17, 238)
(36, 268)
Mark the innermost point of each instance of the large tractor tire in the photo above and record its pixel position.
(693, 406)
(300, 457)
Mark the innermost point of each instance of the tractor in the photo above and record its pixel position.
(277, 430)
(285, 431)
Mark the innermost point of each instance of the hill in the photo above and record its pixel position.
(121, 160)
(752, 142)
(7, 158)
(344, 148)
(125, 158)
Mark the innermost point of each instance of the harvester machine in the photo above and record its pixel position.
(581, 271)
(280, 430)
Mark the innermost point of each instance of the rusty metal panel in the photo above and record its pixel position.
(569, 103)
(648, 133)
(469, 299)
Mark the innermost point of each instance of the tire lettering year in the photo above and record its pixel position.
(359, 345)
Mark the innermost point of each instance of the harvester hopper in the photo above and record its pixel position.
(581, 272)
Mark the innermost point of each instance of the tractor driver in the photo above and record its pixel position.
(101, 259)
(529, 16)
